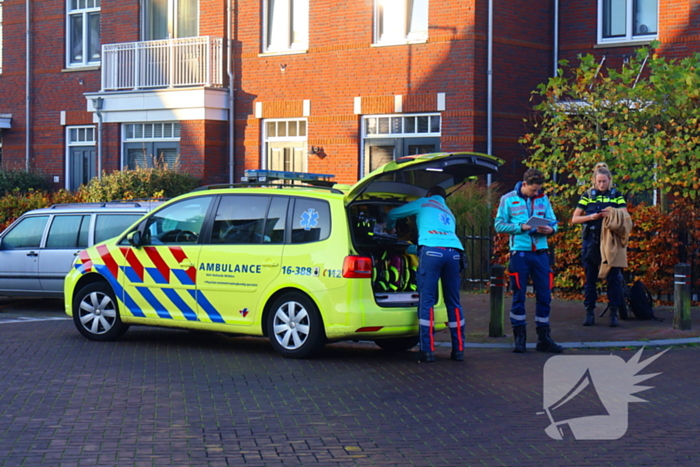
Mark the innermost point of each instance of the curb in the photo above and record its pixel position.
(585, 345)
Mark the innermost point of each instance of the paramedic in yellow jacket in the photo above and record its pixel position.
(591, 210)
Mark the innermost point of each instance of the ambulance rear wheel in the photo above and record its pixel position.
(295, 327)
(96, 314)
(397, 344)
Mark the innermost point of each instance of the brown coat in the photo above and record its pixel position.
(613, 240)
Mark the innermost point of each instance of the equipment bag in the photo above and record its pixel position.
(641, 303)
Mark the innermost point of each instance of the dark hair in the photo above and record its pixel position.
(533, 177)
(437, 190)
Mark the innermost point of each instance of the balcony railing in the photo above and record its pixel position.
(167, 63)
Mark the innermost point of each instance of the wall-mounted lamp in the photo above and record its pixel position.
(316, 150)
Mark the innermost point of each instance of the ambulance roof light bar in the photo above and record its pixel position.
(253, 176)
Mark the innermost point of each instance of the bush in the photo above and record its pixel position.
(14, 205)
(17, 181)
(139, 183)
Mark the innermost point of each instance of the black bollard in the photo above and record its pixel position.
(498, 288)
(681, 296)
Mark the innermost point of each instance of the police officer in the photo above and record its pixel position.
(529, 257)
(440, 258)
(590, 211)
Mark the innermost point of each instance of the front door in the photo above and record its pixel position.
(160, 276)
(243, 255)
(19, 255)
(170, 19)
(288, 156)
(82, 166)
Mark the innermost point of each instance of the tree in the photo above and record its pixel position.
(643, 120)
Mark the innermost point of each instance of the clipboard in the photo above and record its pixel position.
(535, 222)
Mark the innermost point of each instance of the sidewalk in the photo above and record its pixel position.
(565, 321)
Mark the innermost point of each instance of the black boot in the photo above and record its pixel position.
(589, 320)
(457, 356)
(613, 317)
(545, 342)
(426, 356)
(520, 338)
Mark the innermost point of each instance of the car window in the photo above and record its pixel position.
(111, 225)
(26, 234)
(276, 220)
(240, 219)
(311, 221)
(178, 223)
(68, 232)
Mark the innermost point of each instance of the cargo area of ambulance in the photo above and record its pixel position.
(387, 258)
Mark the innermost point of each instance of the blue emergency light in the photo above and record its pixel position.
(272, 175)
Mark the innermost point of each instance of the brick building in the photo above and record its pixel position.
(327, 86)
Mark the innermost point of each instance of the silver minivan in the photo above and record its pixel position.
(37, 250)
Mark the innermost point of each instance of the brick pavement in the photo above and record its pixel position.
(166, 397)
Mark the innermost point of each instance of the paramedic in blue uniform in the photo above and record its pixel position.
(440, 258)
(590, 211)
(529, 257)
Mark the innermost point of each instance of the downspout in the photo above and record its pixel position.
(556, 38)
(97, 105)
(231, 113)
(489, 88)
(27, 92)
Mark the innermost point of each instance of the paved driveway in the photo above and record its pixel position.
(164, 397)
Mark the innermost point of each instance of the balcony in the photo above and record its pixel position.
(163, 64)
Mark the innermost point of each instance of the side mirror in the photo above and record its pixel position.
(134, 238)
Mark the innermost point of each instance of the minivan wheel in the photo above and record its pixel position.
(397, 344)
(294, 327)
(96, 314)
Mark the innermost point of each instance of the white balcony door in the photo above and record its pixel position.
(170, 19)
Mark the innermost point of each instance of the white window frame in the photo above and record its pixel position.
(85, 9)
(629, 35)
(290, 28)
(402, 133)
(399, 22)
(267, 138)
(150, 132)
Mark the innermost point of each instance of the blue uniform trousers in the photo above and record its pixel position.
(613, 281)
(533, 265)
(439, 264)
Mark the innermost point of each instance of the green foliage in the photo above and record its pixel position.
(472, 205)
(14, 205)
(140, 183)
(17, 181)
(642, 120)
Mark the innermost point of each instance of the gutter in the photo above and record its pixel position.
(489, 88)
(27, 92)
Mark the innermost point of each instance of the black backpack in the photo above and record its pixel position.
(641, 303)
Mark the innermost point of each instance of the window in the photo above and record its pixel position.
(170, 19)
(311, 221)
(286, 25)
(68, 232)
(240, 220)
(400, 21)
(386, 137)
(26, 234)
(110, 225)
(151, 145)
(627, 20)
(83, 26)
(178, 223)
(285, 145)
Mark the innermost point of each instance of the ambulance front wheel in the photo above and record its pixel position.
(295, 327)
(96, 314)
(397, 344)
